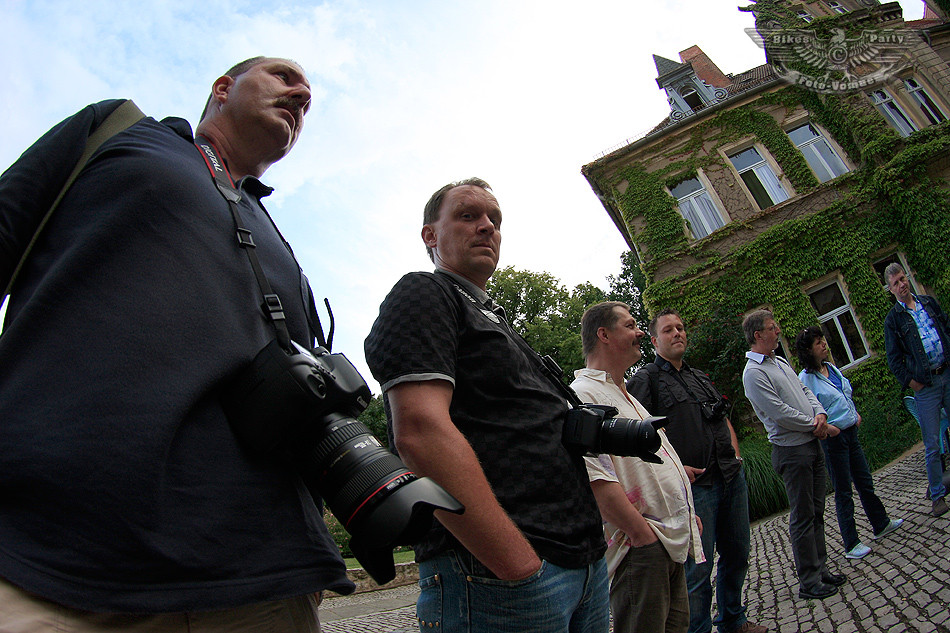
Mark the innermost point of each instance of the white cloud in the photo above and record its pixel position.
(407, 96)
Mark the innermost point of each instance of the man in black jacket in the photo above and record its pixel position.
(704, 438)
(917, 343)
(124, 490)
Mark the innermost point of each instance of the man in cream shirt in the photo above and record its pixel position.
(647, 508)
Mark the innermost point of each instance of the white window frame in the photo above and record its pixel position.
(810, 153)
(915, 287)
(701, 224)
(805, 16)
(831, 318)
(836, 7)
(928, 107)
(893, 112)
(762, 170)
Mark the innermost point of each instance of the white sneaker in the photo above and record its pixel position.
(893, 525)
(858, 551)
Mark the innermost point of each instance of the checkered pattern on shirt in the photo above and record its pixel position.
(929, 335)
(507, 410)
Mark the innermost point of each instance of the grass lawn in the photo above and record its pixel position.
(399, 557)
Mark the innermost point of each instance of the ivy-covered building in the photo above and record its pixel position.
(759, 191)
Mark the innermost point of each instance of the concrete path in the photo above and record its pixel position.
(903, 585)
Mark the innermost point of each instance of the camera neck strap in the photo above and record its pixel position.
(546, 365)
(271, 305)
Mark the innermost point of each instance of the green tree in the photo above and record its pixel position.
(374, 417)
(628, 288)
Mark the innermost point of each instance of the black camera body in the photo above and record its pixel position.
(714, 412)
(302, 407)
(594, 428)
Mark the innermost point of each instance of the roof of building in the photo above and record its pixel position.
(743, 82)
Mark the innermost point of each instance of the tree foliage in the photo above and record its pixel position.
(374, 417)
(548, 315)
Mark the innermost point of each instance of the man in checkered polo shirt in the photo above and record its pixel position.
(469, 407)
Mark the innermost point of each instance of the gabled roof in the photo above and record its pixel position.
(665, 67)
(741, 83)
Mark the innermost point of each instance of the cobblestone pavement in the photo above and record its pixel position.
(903, 585)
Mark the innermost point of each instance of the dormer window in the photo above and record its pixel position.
(691, 97)
(805, 16)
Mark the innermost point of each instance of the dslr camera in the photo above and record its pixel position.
(594, 428)
(301, 406)
(714, 411)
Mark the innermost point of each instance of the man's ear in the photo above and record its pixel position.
(653, 340)
(221, 88)
(602, 334)
(428, 236)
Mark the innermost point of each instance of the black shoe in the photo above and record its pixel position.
(819, 591)
(835, 580)
(939, 506)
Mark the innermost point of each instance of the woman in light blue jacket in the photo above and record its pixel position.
(843, 454)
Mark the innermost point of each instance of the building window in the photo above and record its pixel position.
(805, 16)
(839, 325)
(691, 97)
(882, 264)
(927, 106)
(818, 152)
(697, 207)
(836, 7)
(892, 112)
(758, 176)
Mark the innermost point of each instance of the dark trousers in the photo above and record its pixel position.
(724, 510)
(802, 468)
(846, 463)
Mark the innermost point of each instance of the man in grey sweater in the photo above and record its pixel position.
(795, 421)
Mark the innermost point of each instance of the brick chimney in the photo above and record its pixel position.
(704, 67)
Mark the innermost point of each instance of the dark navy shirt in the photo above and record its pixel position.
(122, 487)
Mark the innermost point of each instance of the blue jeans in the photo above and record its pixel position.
(929, 402)
(459, 595)
(724, 510)
(846, 462)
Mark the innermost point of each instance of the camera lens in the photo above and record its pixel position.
(349, 467)
(623, 436)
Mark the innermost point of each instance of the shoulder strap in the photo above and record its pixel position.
(121, 118)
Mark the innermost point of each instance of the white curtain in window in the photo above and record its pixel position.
(701, 213)
(771, 183)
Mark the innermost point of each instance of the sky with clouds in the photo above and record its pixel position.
(407, 96)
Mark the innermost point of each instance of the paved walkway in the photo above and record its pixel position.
(903, 585)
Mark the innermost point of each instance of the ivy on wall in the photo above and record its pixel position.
(889, 199)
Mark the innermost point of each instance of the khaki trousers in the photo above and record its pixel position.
(23, 612)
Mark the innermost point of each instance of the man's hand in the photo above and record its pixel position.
(821, 426)
(916, 386)
(859, 420)
(693, 473)
(432, 446)
(615, 508)
(833, 431)
(699, 523)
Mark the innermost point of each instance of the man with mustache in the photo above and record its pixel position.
(649, 520)
(469, 406)
(127, 501)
